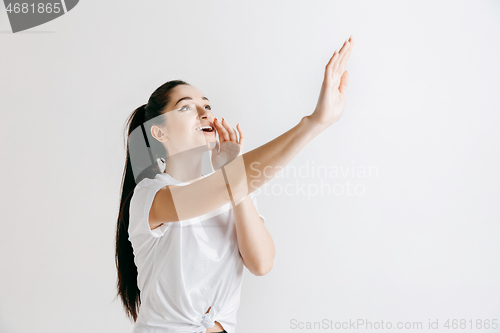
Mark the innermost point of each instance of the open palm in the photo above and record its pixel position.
(331, 101)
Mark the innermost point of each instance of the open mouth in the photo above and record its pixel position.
(206, 129)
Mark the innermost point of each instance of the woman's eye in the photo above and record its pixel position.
(187, 106)
(190, 107)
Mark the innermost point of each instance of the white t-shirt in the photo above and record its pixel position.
(185, 267)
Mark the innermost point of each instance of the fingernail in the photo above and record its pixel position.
(222, 118)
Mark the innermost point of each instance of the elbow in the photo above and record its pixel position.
(263, 270)
(265, 265)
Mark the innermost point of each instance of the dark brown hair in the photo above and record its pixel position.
(127, 287)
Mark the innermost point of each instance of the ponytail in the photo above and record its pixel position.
(124, 254)
(127, 288)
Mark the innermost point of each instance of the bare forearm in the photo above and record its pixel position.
(254, 241)
(245, 174)
(276, 154)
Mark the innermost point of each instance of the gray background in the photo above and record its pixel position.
(420, 243)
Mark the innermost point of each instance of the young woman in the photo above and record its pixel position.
(184, 234)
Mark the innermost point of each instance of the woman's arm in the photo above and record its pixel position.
(254, 241)
(234, 181)
(245, 174)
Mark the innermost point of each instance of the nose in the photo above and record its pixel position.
(205, 114)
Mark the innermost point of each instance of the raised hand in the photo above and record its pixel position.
(331, 101)
(230, 145)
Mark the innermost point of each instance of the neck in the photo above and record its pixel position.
(185, 166)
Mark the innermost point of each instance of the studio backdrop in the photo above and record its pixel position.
(387, 220)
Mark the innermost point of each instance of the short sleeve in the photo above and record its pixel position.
(140, 205)
(256, 204)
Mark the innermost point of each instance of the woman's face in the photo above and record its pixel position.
(187, 111)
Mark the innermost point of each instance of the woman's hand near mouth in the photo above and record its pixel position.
(230, 145)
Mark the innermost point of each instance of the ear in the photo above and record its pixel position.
(158, 133)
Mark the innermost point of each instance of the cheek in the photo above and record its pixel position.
(178, 127)
(182, 131)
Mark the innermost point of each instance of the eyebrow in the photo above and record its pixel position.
(187, 97)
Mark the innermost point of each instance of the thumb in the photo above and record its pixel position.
(344, 81)
(216, 148)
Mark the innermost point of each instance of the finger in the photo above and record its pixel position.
(217, 125)
(342, 52)
(332, 65)
(216, 148)
(223, 134)
(242, 136)
(329, 66)
(217, 136)
(345, 58)
(230, 130)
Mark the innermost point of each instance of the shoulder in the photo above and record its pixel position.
(145, 191)
(141, 203)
